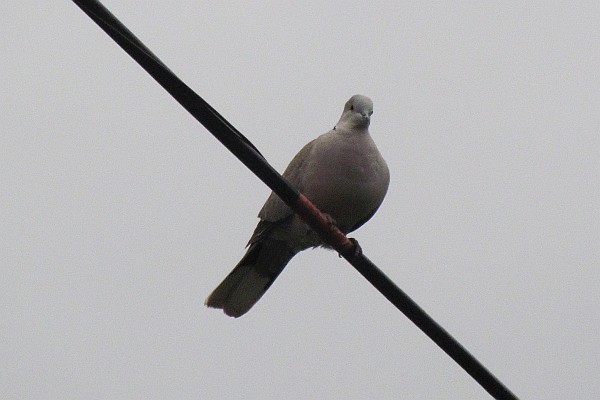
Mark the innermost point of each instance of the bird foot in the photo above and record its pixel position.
(356, 250)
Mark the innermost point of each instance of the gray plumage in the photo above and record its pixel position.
(342, 173)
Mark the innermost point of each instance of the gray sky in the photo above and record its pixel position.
(120, 213)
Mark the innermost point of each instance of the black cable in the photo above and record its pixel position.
(226, 133)
(244, 150)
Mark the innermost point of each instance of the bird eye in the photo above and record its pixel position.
(352, 107)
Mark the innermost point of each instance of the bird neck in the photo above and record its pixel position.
(347, 127)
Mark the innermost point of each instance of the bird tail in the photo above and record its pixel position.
(251, 277)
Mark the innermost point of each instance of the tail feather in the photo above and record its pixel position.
(251, 277)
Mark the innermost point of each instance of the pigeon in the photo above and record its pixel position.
(342, 173)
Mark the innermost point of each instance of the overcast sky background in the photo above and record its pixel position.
(120, 213)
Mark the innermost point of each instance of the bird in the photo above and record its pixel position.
(343, 173)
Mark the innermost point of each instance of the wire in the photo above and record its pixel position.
(245, 151)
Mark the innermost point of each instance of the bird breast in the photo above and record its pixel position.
(348, 181)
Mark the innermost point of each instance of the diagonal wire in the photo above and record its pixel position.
(245, 151)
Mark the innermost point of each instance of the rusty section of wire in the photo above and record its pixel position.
(245, 151)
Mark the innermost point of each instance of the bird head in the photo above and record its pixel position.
(357, 113)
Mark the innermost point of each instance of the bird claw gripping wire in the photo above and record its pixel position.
(355, 251)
